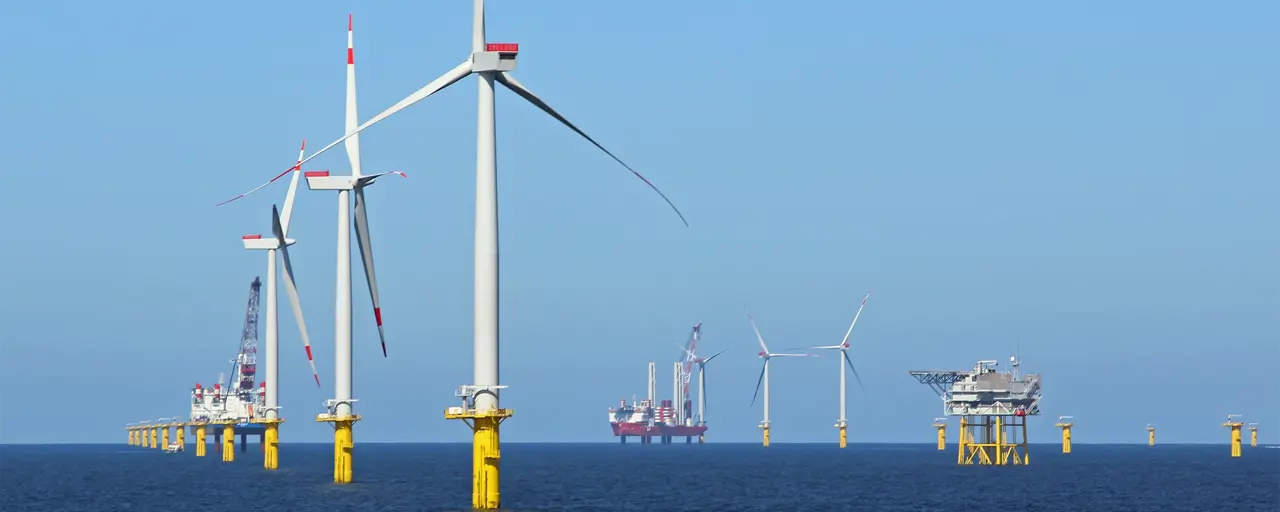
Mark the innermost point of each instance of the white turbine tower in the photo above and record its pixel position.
(843, 347)
(271, 413)
(340, 408)
(493, 63)
(764, 376)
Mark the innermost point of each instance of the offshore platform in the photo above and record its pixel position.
(671, 418)
(233, 408)
(229, 411)
(993, 407)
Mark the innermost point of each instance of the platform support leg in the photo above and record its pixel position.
(201, 441)
(228, 443)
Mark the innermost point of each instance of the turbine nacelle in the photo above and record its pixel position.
(497, 57)
(321, 180)
(257, 242)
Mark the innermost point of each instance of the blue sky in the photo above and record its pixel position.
(1092, 184)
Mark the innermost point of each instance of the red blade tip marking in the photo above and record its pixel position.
(349, 22)
(351, 56)
(377, 315)
(317, 379)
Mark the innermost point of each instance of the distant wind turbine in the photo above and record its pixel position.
(764, 376)
(842, 423)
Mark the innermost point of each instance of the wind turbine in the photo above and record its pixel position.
(493, 63)
(843, 347)
(340, 412)
(764, 376)
(340, 408)
(271, 412)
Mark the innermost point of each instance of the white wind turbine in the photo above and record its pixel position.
(340, 411)
(843, 347)
(492, 62)
(271, 412)
(271, 245)
(764, 376)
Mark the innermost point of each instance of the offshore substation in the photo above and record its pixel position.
(993, 407)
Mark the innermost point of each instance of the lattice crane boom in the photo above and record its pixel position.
(246, 362)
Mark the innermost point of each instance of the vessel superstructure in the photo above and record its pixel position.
(240, 403)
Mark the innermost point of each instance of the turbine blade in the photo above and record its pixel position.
(437, 85)
(368, 179)
(758, 381)
(292, 290)
(515, 86)
(855, 370)
(366, 260)
(855, 319)
(758, 336)
(287, 212)
(259, 187)
(713, 356)
(352, 143)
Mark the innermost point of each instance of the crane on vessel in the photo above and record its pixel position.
(245, 366)
(688, 358)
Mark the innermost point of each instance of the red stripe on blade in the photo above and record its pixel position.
(309, 353)
(377, 315)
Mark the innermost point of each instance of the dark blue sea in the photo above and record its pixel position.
(581, 477)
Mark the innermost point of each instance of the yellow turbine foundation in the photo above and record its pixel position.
(844, 437)
(154, 433)
(271, 443)
(1253, 435)
(942, 435)
(486, 454)
(164, 437)
(1151, 436)
(343, 446)
(993, 441)
(1066, 435)
(201, 440)
(1236, 438)
(766, 436)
